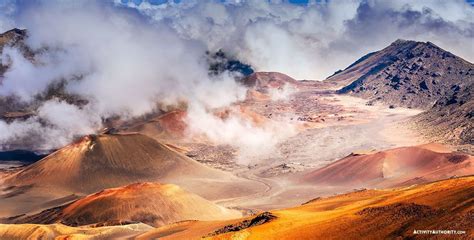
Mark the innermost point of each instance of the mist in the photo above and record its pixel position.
(315, 40)
(128, 59)
(127, 68)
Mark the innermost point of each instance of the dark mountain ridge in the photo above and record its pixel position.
(406, 73)
(418, 75)
(451, 119)
(220, 62)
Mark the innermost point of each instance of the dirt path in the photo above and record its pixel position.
(370, 128)
(271, 185)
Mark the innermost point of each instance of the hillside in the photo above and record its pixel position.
(392, 168)
(264, 81)
(103, 161)
(167, 126)
(365, 214)
(451, 119)
(406, 73)
(97, 162)
(236, 119)
(13, 37)
(418, 75)
(150, 203)
(46, 232)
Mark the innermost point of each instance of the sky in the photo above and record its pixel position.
(303, 2)
(313, 39)
(131, 58)
(324, 36)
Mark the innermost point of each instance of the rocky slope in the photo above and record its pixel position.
(11, 107)
(12, 37)
(418, 75)
(220, 62)
(451, 119)
(264, 81)
(406, 73)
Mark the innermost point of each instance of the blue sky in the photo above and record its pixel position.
(301, 2)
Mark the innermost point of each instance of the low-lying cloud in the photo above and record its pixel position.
(125, 59)
(120, 64)
(236, 129)
(313, 41)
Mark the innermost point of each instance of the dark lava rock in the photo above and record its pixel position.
(421, 72)
(260, 219)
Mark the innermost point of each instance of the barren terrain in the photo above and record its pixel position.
(358, 155)
(335, 127)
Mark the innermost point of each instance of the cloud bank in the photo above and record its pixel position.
(126, 57)
(313, 41)
(120, 64)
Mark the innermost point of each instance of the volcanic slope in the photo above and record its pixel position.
(418, 75)
(406, 73)
(150, 203)
(451, 119)
(366, 214)
(60, 231)
(395, 167)
(263, 81)
(105, 161)
(170, 126)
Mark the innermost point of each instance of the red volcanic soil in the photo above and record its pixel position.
(396, 167)
(104, 161)
(255, 95)
(151, 203)
(170, 125)
(365, 214)
(257, 119)
(243, 112)
(173, 122)
(262, 81)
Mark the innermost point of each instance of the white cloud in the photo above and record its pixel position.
(314, 41)
(118, 63)
(7, 9)
(124, 59)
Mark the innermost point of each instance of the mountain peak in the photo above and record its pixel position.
(16, 31)
(401, 41)
(12, 36)
(406, 73)
(403, 44)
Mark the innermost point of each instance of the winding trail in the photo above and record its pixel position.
(375, 128)
(249, 175)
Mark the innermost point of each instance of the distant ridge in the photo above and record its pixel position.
(418, 75)
(406, 73)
